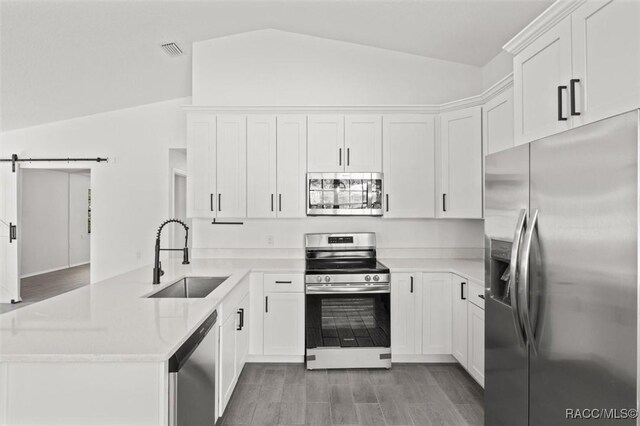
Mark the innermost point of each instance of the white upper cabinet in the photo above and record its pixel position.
(261, 166)
(436, 313)
(497, 122)
(406, 313)
(201, 160)
(231, 166)
(363, 143)
(409, 165)
(461, 164)
(292, 165)
(541, 74)
(606, 59)
(326, 143)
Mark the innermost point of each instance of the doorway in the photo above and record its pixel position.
(55, 234)
(178, 208)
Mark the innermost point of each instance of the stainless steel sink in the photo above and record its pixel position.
(190, 287)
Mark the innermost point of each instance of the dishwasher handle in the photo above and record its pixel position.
(183, 353)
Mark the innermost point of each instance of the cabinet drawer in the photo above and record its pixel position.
(289, 283)
(476, 294)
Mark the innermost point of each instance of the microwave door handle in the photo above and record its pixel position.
(525, 261)
(513, 277)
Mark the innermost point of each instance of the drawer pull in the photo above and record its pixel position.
(283, 282)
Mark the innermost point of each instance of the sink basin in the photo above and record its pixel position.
(190, 287)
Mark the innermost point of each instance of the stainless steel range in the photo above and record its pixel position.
(348, 303)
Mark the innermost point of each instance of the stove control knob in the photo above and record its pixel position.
(319, 278)
(327, 278)
(367, 278)
(376, 278)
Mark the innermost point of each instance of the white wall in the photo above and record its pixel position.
(130, 193)
(271, 67)
(79, 237)
(497, 68)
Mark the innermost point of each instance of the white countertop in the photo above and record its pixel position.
(112, 320)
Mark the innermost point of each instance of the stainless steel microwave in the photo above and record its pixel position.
(347, 194)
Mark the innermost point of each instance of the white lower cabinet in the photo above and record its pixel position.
(436, 313)
(475, 329)
(459, 319)
(406, 314)
(227, 361)
(284, 323)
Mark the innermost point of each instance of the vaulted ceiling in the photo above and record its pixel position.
(65, 59)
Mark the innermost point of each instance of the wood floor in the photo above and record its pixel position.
(44, 286)
(408, 394)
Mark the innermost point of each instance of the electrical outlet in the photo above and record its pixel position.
(270, 240)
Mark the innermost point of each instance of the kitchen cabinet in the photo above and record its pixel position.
(409, 165)
(201, 160)
(461, 164)
(363, 143)
(276, 165)
(541, 73)
(497, 122)
(325, 146)
(283, 323)
(459, 292)
(436, 313)
(605, 58)
(406, 313)
(231, 166)
(242, 334)
(227, 360)
(475, 328)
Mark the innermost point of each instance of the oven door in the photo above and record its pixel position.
(348, 326)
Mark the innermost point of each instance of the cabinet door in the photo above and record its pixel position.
(201, 161)
(261, 166)
(541, 108)
(231, 170)
(436, 313)
(461, 164)
(606, 58)
(242, 334)
(292, 165)
(476, 343)
(459, 292)
(284, 324)
(227, 360)
(406, 314)
(363, 143)
(325, 147)
(409, 165)
(497, 122)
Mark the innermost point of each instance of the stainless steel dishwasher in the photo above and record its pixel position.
(192, 378)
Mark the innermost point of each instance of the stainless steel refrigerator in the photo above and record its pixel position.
(561, 257)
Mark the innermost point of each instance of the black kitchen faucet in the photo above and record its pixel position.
(157, 267)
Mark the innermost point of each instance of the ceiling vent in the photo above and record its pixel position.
(172, 49)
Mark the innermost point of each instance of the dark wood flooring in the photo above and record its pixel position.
(408, 394)
(41, 287)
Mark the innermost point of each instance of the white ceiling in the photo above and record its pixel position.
(63, 59)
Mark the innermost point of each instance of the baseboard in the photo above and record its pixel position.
(432, 358)
(80, 264)
(276, 358)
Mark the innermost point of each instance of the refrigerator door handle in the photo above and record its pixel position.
(524, 273)
(513, 276)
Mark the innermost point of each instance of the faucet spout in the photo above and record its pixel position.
(157, 266)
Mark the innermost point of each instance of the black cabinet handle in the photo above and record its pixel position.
(283, 282)
(348, 156)
(387, 201)
(266, 304)
(239, 319)
(462, 291)
(444, 202)
(211, 202)
(219, 202)
(271, 202)
(279, 202)
(339, 156)
(12, 232)
(411, 289)
(572, 86)
(481, 296)
(560, 89)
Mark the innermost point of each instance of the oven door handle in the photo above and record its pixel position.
(321, 289)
